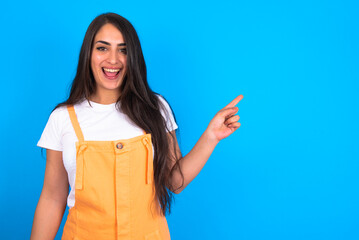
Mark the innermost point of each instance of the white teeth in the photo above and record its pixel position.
(111, 70)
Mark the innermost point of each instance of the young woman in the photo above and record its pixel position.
(114, 142)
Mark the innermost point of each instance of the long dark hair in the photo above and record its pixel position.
(138, 101)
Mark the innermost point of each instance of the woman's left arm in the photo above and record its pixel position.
(223, 124)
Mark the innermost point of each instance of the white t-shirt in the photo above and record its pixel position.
(98, 122)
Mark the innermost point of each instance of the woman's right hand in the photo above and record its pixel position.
(52, 203)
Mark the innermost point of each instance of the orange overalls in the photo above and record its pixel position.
(114, 191)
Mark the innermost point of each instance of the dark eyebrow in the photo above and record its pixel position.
(106, 43)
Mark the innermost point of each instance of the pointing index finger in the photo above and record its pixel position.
(234, 101)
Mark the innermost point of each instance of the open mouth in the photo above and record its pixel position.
(111, 73)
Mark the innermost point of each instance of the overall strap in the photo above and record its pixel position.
(75, 123)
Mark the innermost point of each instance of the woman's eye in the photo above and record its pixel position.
(123, 50)
(101, 48)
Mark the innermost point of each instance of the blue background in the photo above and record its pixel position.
(289, 172)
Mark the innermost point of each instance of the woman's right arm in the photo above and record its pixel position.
(52, 202)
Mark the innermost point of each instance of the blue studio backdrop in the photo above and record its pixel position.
(289, 172)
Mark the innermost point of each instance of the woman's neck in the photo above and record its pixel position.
(105, 97)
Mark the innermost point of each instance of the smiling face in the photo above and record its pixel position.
(108, 62)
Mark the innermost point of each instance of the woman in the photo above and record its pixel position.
(113, 140)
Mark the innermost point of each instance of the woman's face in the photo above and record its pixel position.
(108, 60)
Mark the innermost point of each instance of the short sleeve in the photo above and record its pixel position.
(168, 115)
(51, 136)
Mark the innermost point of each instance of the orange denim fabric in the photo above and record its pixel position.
(114, 191)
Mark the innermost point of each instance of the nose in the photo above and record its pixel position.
(113, 57)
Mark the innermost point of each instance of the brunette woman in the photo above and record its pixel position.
(114, 142)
